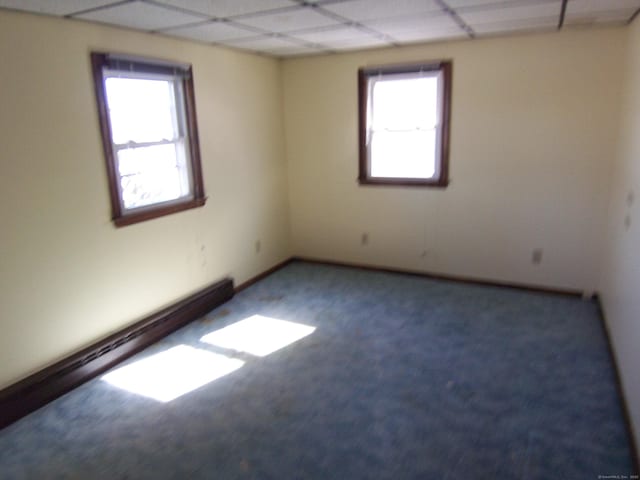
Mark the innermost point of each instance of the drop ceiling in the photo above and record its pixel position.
(284, 28)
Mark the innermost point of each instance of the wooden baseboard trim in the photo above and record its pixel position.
(38, 389)
(625, 406)
(264, 274)
(438, 276)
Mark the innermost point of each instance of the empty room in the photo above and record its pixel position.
(317, 239)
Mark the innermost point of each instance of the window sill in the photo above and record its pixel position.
(159, 211)
(405, 182)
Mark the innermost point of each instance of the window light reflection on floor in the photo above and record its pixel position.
(258, 335)
(172, 373)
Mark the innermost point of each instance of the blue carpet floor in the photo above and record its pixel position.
(403, 378)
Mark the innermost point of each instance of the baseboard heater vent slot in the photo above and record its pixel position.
(48, 384)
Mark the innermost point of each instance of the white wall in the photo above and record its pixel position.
(68, 277)
(533, 125)
(621, 267)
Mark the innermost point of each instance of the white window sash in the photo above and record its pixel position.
(180, 142)
(370, 130)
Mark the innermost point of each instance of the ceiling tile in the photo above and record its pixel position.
(418, 28)
(296, 51)
(593, 6)
(358, 44)
(295, 19)
(332, 34)
(495, 3)
(57, 7)
(423, 23)
(264, 43)
(512, 26)
(313, 26)
(141, 16)
(434, 34)
(211, 32)
(515, 12)
(320, 2)
(360, 10)
(341, 38)
(228, 8)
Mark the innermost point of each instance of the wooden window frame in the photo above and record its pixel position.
(364, 175)
(121, 216)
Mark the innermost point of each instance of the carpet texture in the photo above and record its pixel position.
(402, 378)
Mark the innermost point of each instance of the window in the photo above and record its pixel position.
(404, 124)
(148, 124)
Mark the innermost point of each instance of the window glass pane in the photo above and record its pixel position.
(141, 110)
(151, 175)
(405, 104)
(410, 154)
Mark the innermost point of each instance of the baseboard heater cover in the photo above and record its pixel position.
(35, 391)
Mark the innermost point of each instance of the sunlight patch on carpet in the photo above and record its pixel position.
(258, 335)
(168, 375)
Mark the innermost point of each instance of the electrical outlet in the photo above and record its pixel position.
(536, 256)
(258, 246)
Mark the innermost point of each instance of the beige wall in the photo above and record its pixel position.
(67, 276)
(621, 267)
(534, 123)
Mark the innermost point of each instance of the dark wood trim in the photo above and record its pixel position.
(101, 60)
(563, 12)
(50, 383)
(364, 177)
(415, 273)
(264, 274)
(448, 278)
(363, 95)
(625, 406)
(634, 16)
(194, 139)
(398, 68)
(404, 182)
(447, 69)
(135, 63)
(98, 62)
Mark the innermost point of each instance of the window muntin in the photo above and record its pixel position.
(147, 116)
(404, 118)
